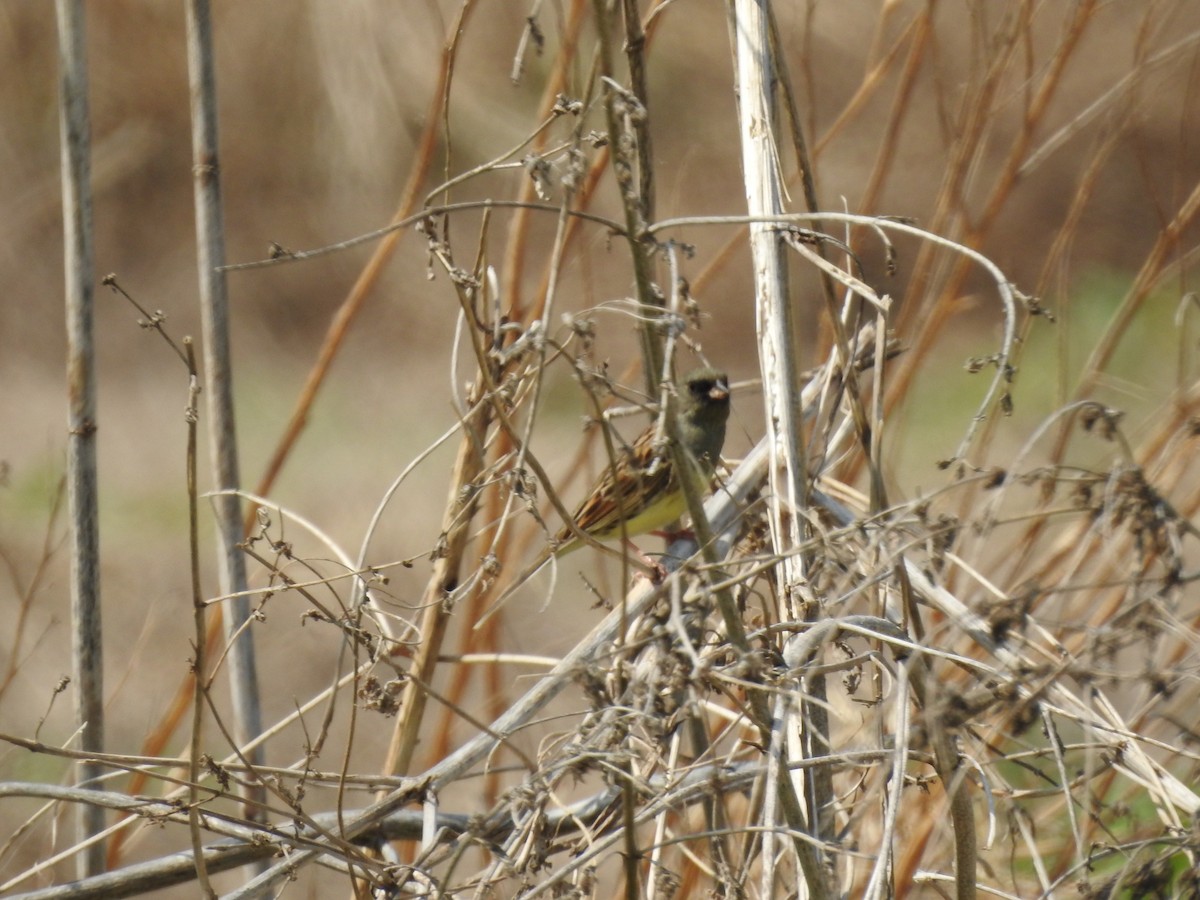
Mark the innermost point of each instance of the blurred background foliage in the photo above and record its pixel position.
(322, 106)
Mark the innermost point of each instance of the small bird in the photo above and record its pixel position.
(644, 478)
(642, 486)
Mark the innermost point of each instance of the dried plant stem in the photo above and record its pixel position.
(953, 775)
(456, 528)
(516, 249)
(788, 472)
(515, 252)
(218, 366)
(334, 339)
(635, 55)
(919, 36)
(776, 326)
(631, 170)
(87, 634)
(979, 690)
(722, 510)
(350, 307)
(199, 649)
(938, 293)
(1166, 244)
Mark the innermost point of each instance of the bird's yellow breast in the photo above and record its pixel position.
(659, 514)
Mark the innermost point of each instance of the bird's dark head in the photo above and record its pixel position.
(707, 388)
(704, 402)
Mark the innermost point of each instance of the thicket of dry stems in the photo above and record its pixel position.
(988, 685)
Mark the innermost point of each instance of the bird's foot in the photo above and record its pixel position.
(651, 568)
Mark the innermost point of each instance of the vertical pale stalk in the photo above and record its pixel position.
(780, 370)
(773, 314)
(88, 659)
(218, 370)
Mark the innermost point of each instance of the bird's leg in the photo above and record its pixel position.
(657, 571)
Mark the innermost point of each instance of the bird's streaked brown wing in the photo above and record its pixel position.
(640, 476)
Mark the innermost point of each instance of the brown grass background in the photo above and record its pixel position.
(321, 107)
